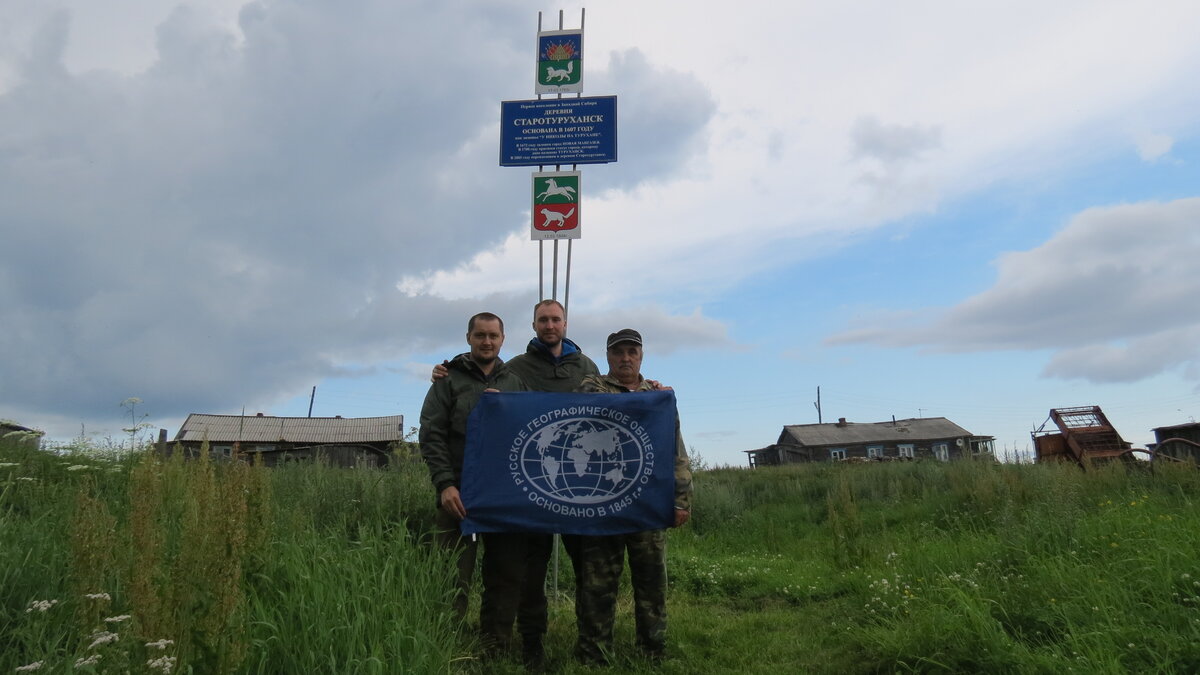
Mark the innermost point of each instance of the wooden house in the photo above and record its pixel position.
(340, 441)
(926, 437)
(1181, 441)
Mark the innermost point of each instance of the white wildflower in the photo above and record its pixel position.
(117, 619)
(97, 596)
(40, 605)
(89, 661)
(36, 665)
(164, 663)
(78, 467)
(161, 644)
(102, 638)
(26, 478)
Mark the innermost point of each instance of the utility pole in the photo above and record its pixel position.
(817, 405)
(312, 397)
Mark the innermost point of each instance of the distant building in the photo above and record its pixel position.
(10, 427)
(927, 437)
(1181, 441)
(341, 441)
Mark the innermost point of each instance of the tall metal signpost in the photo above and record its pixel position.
(557, 132)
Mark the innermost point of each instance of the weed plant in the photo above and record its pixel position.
(137, 563)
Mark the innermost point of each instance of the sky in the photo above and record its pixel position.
(977, 211)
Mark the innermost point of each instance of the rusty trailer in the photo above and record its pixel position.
(1084, 436)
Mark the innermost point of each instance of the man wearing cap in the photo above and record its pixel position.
(600, 559)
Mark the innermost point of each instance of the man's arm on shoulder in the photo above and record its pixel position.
(439, 371)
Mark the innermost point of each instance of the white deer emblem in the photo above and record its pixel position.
(553, 189)
(559, 219)
(560, 73)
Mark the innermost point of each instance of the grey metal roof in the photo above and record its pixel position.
(856, 433)
(230, 428)
(1175, 427)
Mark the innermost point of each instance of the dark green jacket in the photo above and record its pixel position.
(542, 372)
(607, 384)
(443, 434)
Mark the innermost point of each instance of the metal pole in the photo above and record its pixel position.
(567, 281)
(554, 286)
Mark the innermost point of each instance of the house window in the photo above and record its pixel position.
(941, 451)
(222, 450)
(874, 451)
(837, 454)
(906, 450)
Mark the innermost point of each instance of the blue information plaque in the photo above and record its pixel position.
(558, 131)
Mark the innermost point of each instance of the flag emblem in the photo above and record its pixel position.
(583, 460)
(571, 463)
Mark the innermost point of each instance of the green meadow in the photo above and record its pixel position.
(116, 563)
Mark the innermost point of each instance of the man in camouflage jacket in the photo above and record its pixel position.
(600, 559)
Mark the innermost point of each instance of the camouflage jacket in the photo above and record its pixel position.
(607, 384)
(443, 435)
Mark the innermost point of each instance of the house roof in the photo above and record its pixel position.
(856, 433)
(1174, 427)
(7, 426)
(230, 428)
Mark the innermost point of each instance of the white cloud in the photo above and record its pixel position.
(1154, 146)
(210, 203)
(1113, 294)
(240, 210)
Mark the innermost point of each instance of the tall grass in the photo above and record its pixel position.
(151, 565)
(121, 564)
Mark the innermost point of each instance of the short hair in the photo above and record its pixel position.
(549, 301)
(486, 316)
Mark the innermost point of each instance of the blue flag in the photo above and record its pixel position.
(570, 463)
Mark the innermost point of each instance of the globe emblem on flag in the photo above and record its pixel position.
(582, 460)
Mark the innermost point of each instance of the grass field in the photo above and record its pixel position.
(127, 563)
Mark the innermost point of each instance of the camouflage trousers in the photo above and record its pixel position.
(598, 563)
(448, 537)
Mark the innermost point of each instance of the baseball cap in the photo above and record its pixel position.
(624, 335)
